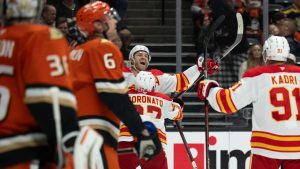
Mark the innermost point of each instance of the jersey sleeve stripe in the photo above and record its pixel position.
(229, 101)
(219, 101)
(112, 87)
(185, 80)
(37, 95)
(225, 102)
(178, 82)
(22, 141)
(182, 82)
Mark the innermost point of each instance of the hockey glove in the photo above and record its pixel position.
(204, 87)
(212, 65)
(148, 144)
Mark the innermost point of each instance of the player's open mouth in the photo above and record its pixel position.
(143, 63)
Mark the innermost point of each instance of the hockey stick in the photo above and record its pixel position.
(178, 125)
(238, 39)
(240, 30)
(57, 119)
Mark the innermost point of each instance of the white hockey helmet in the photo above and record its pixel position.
(137, 48)
(145, 81)
(21, 9)
(276, 48)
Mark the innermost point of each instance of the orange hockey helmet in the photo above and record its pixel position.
(90, 13)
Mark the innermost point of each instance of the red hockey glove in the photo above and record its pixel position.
(204, 87)
(212, 65)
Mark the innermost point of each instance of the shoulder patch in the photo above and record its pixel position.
(55, 34)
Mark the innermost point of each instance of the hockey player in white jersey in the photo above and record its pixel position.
(139, 58)
(274, 91)
(154, 107)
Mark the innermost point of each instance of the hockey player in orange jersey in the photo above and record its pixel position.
(33, 60)
(275, 94)
(100, 89)
(154, 107)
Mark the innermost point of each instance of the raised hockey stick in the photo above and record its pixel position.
(58, 130)
(238, 39)
(240, 30)
(178, 125)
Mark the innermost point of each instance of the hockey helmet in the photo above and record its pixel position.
(89, 13)
(145, 81)
(276, 48)
(137, 48)
(20, 9)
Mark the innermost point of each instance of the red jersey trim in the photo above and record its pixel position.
(271, 69)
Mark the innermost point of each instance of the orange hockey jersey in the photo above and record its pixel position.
(32, 59)
(97, 68)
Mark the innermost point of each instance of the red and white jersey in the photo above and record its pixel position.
(274, 92)
(154, 107)
(167, 83)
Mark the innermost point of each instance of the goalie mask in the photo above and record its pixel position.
(276, 48)
(145, 81)
(21, 9)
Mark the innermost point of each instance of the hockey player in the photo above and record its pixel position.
(139, 59)
(33, 60)
(100, 89)
(152, 106)
(274, 91)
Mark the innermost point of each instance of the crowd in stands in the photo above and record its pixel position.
(62, 15)
(283, 21)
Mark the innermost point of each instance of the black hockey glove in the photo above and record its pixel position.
(148, 144)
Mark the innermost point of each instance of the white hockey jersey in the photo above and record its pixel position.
(167, 83)
(154, 107)
(274, 92)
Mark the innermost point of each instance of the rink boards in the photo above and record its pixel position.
(228, 150)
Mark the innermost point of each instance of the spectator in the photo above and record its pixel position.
(68, 9)
(126, 38)
(62, 25)
(273, 30)
(255, 59)
(287, 28)
(100, 89)
(48, 15)
(201, 22)
(293, 12)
